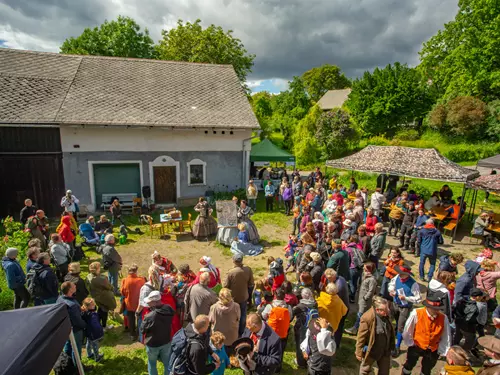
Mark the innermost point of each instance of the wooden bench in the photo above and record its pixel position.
(126, 200)
(450, 226)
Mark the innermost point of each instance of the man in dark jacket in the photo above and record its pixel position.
(409, 219)
(419, 224)
(156, 328)
(428, 238)
(339, 261)
(199, 348)
(376, 338)
(48, 290)
(78, 325)
(15, 278)
(450, 263)
(112, 261)
(268, 354)
(27, 211)
(466, 282)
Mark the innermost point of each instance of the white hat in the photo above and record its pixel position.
(347, 223)
(315, 256)
(154, 296)
(69, 192)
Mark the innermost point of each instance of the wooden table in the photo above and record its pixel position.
(494, 228)
(165, 219)
(438, 213)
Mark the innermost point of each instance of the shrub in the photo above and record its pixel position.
(493, 130)
(407, 135)
(421, 190)
(378, 141)
(15, 236)
(466, 116)
(437, 117)
(335, 133)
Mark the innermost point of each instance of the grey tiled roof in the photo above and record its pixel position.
(38, 87)
(425, 163)
(334, 99)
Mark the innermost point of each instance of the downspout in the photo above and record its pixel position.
(246, 160)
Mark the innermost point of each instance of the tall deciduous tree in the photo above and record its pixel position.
(319, 80)
(464, 57)
(335, 133)
(121, 37)
(389, 99)
(191, 42)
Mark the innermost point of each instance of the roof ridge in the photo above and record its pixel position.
(65, 55)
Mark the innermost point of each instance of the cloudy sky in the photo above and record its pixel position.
(288, 36)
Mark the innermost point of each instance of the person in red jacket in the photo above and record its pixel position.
(65, 231)
(370, 222)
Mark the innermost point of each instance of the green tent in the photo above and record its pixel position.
(268, 151)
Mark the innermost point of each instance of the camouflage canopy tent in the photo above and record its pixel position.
(426, 163)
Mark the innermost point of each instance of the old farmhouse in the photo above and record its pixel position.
(100, 125)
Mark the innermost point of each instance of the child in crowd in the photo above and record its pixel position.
(94, 330)
(265, 305)
(485, 254)
(457, 362)
(450, 263)
(290, 251)
(217, 345)
(258, 292)
(290, 298)
(306, 218)
(395, 259)
(277, 274)
(297, 214)
(318, 224)
(366, 293)
(396, 217)
(123, 235)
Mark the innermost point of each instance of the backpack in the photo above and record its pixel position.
(178, 363)
(358, 258)
(33, 284)
(311, 315)
(467, 312)
(279, 321)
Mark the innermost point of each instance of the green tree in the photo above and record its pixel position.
(388, 100)
(261, 105)
(493, 130)
(305, 145)
(335, 133)
(463, 116)
(191, 42)
(464, 57)
(319, 80)
(122, 37)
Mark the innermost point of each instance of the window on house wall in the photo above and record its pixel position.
(197, 171)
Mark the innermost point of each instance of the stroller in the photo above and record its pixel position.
(90, 237)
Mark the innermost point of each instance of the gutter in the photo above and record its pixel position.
(245, 160)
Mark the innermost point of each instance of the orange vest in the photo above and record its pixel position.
(456, 211)
(279, 321)
(428, 332)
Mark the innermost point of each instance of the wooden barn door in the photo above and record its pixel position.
(165, 184)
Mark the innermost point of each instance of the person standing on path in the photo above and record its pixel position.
(27, 211)
(269, 191)
(427, 335)
(405, 292)
(15, 278)
(156, 328)
(375, 339)
(428, 238)
(199, 297)
(240, 281)
(252, 194)
(131, 289)
(112, 261)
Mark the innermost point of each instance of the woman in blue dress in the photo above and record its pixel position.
(242, 244)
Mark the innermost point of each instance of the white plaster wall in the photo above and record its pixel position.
(121, 139)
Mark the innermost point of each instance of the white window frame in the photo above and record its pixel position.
(196, 162)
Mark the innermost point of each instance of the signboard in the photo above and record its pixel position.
(227, 213)
(261, 164)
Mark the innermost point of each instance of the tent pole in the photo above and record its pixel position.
(76, 354)
(461, 206)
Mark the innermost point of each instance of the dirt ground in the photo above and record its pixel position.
(184, 249)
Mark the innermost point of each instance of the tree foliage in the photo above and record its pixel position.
(388, 100)
(305, 144)
(294, 101)
(335, 133)
(464, 57)
(463, 116)
(121, 37)
(318, 80)
(191, 42)
(493, 130)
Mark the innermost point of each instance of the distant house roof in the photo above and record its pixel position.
(50, 88)
(334, 99)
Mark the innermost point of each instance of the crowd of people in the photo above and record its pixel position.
(335, 262)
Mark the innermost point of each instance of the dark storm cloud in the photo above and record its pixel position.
(288, 36)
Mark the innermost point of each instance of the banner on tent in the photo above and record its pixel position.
(227, 213)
